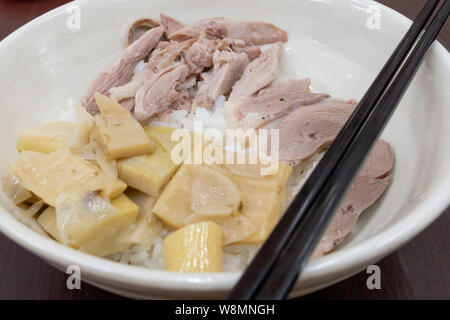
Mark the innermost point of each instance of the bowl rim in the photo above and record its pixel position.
(367, 251)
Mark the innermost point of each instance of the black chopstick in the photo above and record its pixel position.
(257, 273)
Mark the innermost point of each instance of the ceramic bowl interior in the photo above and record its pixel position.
(48, 65)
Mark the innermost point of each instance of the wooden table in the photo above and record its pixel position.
(419, 270)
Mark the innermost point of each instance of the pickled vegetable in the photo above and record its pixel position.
(148, 173)
(46, 138)
(86, 227)
(14, 189)
(48, 175)
(263, 201)
(147, 227)
(162, 135)
(86, 219)
(47, 220)
(246, 207)
(118, 132)
(194, 248)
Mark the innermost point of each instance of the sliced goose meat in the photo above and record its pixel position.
(198, 57)
(121, 70)
(159, 60)
(184, 34)
(212, 43)
(368, 186)
(184, 101)
(168, 55)
(189, 83)
(239, 46)
(188, 91)
(214, 28)
(159, 93)
(259, 73)
(307, 129)
(162, 45)
(145, 23)
(228, 68)
(252, 32)
(170, 24)
(273, 103)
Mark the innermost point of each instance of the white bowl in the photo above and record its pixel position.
(46, 67)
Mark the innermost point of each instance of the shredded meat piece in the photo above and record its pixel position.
(121, 70)
(148, 23)
(368, 186)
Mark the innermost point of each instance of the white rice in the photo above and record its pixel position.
(139, 255)
(214, 119)
(237, 257)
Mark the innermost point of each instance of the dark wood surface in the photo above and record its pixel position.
(419, 270)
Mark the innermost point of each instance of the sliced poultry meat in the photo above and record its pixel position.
(159, 92)
(162, 45)
(228, 67)
(197, 53)
(215, 27)
(159, 60)
(147, 23)
(170, 24)
(164, 58)
(274, 102)
(184, 34)
(121, 70)
(251, 32)
(184, 100)
(251, 51)
(260, 73)
(178, 31)
(306, 130)
(198, 57)
(370, 183)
